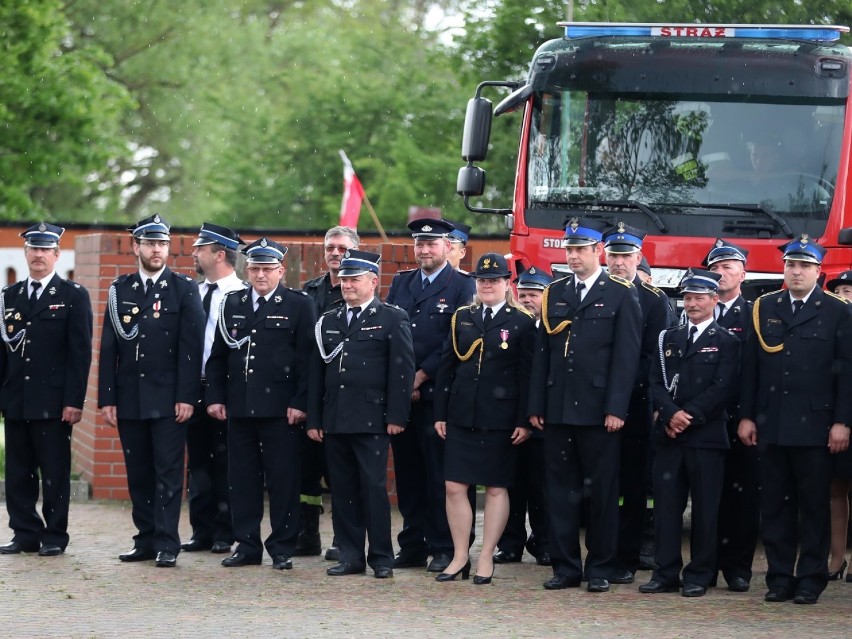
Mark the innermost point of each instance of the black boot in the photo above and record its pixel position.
(308, 543)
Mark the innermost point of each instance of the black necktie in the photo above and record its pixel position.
(34, 294)
(149, 284)
(488, 315)
(208, 297)
(260, 302)
(580, 288)
(720, 310)
(693, 334)
(353, 314)
(426, 282)
(797, 305)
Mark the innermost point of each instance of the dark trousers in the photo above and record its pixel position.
(153, 456)
(678, 473)
(582, 461)
(739, 510)
(794, 506)
(33, 449)
(358, 464)
(207, 448)
(313, 468)
(527, 494)
(264, 451)
(633, 481)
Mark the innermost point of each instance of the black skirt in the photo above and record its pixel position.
(479, 457)
(842, 465)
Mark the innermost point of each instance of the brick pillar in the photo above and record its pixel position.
(95, 447)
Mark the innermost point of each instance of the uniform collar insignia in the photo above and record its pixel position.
(278, 299)
(135, 285)
(163, 283)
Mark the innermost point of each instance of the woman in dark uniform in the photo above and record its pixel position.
(480, 410)
(841, 483)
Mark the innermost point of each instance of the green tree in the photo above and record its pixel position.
(59, 110)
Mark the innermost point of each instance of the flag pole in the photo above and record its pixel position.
(375, 218)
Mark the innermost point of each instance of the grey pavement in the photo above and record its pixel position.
(87, 592)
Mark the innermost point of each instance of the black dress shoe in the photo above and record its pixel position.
(805, 597)
(196, 545)
(138, 554)
(543, 559)
(693, 590)
(560, 582)
(655, 587)
(15, 548)
(621, 576)
(598, 584)
(738, 584)
(220, 547)
(439, 562)
(383, 572)
(342, 568)
(50, 550)
(407, 559)
(506, 557)
(165, 559)
(282, 562)
(333, 554)
(778, 596)
(241, 559)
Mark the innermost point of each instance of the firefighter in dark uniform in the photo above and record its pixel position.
(739, 509)
(430, 295)
(587, 354)
(359, 396)
(326, 293)
(527, 493)
(694, 376)
(46, 323)
(623, 249)
(148, 385)
(257, 379)
(458, 237)
(796, 406)
(215, 255)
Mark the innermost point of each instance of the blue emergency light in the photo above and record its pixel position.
(814, 33)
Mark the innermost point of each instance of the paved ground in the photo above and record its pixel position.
(89, 593)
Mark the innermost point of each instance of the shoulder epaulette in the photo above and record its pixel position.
(329, 311)
(407, 270)
(297, 291)
(521, 309)
(187, 278)
(621, 280)
(393, 306)
(650, 287)
(771, 293)
(561, 279)
(235, 291)
(462, 271)
(837, 297)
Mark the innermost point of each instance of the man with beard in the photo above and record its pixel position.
(151, 348)
(215, 255)
(46, 324)
(430, 294)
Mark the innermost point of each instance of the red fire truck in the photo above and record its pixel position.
(688, 131)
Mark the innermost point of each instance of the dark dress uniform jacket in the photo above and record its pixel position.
(657, 315)
(324, 296)
(430, 311)
(488, 390)
(275, 376)
(368, 385)
(51, 369)
(146, 376)
(708, 378)
(806, 386)
(596, 377)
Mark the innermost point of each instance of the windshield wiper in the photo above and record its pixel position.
(753, 208)
(626, 204)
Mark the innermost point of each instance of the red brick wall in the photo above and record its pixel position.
(102, 257)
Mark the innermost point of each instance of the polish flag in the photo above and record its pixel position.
(353, 195)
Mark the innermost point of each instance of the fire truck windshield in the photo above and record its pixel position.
(685, 156)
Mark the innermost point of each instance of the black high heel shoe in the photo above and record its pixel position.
(838, 574)
(481, 581)
(451, 576)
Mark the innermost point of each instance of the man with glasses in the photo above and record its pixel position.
(257, 380)
(151, 348)
(326, 293)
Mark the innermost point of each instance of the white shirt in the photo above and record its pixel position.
(589, 282)
(701, 327)
(431, 278)
(224, 285)
(494, 309)
(804, 299)
(145, 277)
(44, 282)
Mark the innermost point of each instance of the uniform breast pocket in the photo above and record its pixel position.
(706, 358)
(237, 323)
(774, 329)
(814, 333)
(599, 313)
(559, 312)
(277, 323)
(371, 334)
(56, 314)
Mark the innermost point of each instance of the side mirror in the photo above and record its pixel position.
(470, 181)
(514, 100)
(477, 130)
